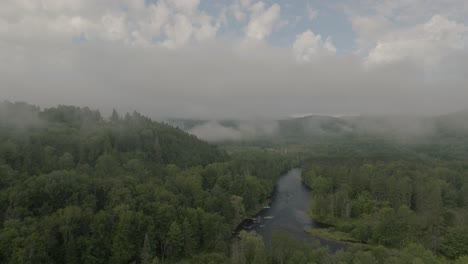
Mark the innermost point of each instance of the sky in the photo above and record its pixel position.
(237, 59)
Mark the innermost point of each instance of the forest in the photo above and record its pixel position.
(395, 196)
(77, 187)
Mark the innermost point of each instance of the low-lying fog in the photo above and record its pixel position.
(401, 127)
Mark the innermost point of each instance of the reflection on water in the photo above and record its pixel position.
(288, 212)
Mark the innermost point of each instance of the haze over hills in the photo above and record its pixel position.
(173, 132)
(316, 126)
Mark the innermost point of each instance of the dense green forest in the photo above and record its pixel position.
(394, 189)
(393, 195)
(79, 188)
(285, 249)
(76, 187)
(388, 202)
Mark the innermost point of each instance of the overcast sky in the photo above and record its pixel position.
(237, 59)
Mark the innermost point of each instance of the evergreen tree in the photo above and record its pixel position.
(115, 118)
(146, 252)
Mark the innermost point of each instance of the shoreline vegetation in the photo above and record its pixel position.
(327, 230)
(397, 202)
(238, 228)
(331, 234)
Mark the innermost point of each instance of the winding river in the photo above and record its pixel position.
(288, 212)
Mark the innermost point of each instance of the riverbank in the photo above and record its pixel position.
(287, 212)
(327, 230)
(250, 217)
(332, 234)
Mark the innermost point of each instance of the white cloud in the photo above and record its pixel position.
(309, 45)
(213, 131)
(183, 23)
(206, 29)
(114, 27)
(207, 75)
(178, 32)
(421, 31)
(237, 12)
(186, 6)
(262, 21)
(158, 16)
(368, 30)
(427, 43)
(175, 23)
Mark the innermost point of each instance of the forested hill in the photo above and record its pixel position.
(83, 136)
(79, 188)
(444, 129)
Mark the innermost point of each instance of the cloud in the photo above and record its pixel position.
(172, 59)
(221, 79)
(426, 43)
(425, 33)
(403, 127)
(262, 21)
(309, 45)
(189, 24)
(369, 29)
(239, 9)
(133, 22)
(213, 131)
(114, 27)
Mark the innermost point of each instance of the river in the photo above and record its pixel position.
(288, 212)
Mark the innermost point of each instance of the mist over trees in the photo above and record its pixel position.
(79, 188)
(402, 128)
(76, 187)
(233, 132)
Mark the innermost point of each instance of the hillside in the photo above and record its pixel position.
(404, 129)
(79, 188)
(86, 135)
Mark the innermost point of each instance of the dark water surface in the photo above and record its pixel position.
(288, 212)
